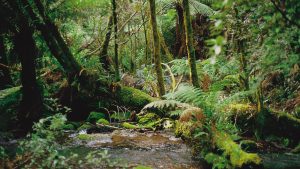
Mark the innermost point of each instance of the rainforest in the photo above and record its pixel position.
(150, 84)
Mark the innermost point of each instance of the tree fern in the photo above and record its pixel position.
(201, 8)
(196, 6)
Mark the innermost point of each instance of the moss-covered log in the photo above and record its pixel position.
(281, 124)
(238, 158)
(131, 97)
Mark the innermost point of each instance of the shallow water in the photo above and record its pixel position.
(156, 150)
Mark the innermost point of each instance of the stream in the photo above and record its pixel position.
(151, 149)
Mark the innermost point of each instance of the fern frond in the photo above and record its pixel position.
(186, 94)
(165, 105)
(201, 8)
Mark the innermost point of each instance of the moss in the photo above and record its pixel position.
(238, 157)
(147, 118)
(85, 126)
(75, 124)
(68, 127)
(278, 123)
(248, 145)
(132, 97)
(95, 116)
(103, 121)
(296, 149)
(142, 167)
(240, 108)
(84, 137)
(9, 100)
(184, 130)
(217, 160)
(130, 126)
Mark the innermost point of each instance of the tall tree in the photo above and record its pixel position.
(24, 44)
(116, 58)
(104, 59)
(31, 104)
(156, 54)
(189, 43)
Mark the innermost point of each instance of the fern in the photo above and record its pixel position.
(201, 8)
(186, 94)
(164, 105)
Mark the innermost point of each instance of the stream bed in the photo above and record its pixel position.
(152, 149)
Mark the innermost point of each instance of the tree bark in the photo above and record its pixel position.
(189, 43)
(157, 57)
(145, 35)
(54, 40)
(116, 58)
(104, 60)
(31, 104)
(180, 47)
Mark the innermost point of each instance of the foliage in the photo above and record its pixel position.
(41, 149)
(95, 116)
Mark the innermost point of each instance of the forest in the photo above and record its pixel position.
(149, 84)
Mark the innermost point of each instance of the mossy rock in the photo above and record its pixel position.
(85, 126)
(130, 126)
(95, 116)
(148, 118)
(68, 127)
(132, 97)
(84, 137)
(103, 121)
(75, 124)
(141, 167)
(184, 130)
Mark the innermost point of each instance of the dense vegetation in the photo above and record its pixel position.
(222, 74)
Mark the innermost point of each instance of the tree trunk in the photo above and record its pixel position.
(5, 79)
(116, 58)
(31, 104)
(54, 40)
(104, 60)
(189, 43)
(145, 35)
(157, 58)
(180, 47)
